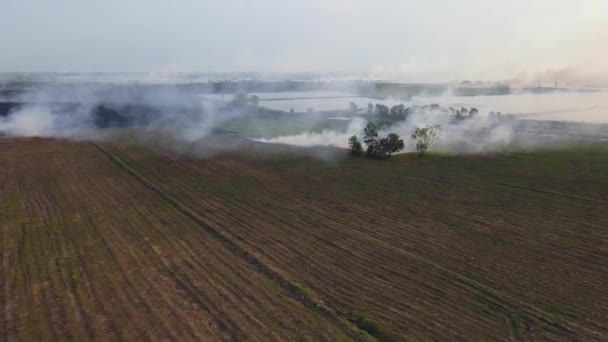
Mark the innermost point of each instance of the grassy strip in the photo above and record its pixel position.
(358, 331)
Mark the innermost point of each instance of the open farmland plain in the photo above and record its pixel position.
(112, 239)
(89, 252)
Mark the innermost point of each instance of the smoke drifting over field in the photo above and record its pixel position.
(470, 135)
(482, 133)
(78, 111)
(324, 138)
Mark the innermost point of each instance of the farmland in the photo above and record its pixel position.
(115, 239)
(89, 252)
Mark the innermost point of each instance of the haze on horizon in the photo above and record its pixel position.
(420, 40)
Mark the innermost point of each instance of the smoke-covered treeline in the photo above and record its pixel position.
(76, 111)
(79, 110)
(464, 130)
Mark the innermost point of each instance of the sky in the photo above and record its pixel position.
(415, 39)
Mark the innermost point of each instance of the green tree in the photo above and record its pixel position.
(389, 145)
(353, 107)
(355, 146)
(370, 138)
(425, 137)
(254, 100)
(376, 148)
(370, 108)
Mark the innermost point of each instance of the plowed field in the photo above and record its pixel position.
(110, 239)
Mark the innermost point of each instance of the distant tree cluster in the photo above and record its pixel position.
(241, 100)
(383, 148)
(400, 112)
(381, 110)
(377, 148)
(463, 113)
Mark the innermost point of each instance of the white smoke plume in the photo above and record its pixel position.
(479, 134)
(324, 138)
(75, 111)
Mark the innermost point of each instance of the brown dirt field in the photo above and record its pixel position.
(115, 240)
(491, 248)
(89, 253)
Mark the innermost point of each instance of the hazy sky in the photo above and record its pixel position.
(425, 38)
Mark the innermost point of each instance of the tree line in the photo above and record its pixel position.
(400, 112)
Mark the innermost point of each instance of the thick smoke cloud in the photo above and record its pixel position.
(479, 134)
(31, 121)
(78, 111)
(324, 138)
(469, 135)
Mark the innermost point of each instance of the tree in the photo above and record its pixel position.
(425, 137)
(355, 146)
(254, 100)
(381, 110)
(370, 133)
(473, 112)
(353, 107)
(389, 145)
(370, 108)
(370, 138)
(240, 99)
(398, 112)
(380, 149)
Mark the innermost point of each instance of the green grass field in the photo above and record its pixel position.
(113, 239)
(274, 127)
